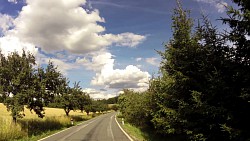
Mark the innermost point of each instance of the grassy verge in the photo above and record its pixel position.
(134, 132)
(138, 134)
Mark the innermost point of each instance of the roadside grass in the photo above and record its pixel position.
(138, 134)
(32, 128)
(9, 130)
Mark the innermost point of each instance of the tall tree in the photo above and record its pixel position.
(191, 94)
(172, 91)
(239, 22)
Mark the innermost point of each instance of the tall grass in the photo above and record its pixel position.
(10, 130)
(25, 128)
(38, 126)
(32, 127)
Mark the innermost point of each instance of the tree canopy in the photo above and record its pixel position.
(203, 90)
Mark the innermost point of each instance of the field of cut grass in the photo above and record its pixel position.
(33, 128)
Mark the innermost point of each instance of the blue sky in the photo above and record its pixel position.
(107, 45)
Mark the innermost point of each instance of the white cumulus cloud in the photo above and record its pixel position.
(58, 25)
(9, 44)
(106, 76)
(130, 77)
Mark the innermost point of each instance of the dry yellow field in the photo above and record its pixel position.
(33, 127)
(49, 112)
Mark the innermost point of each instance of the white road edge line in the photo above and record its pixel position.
(68, 128)
(123, 130)
(110, 124)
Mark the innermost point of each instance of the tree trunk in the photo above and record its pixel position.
(67, 112)
(14, 119)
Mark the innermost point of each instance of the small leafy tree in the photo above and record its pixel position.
(67, 99)
(55, 83)
(83, 98)
(17, 77)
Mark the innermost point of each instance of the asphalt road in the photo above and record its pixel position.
(101, 128)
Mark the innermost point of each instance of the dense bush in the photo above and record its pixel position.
(134, 106)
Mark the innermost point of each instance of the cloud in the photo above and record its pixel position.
(17, 1)
(9, 44)
(62, 66)
(130, 77)
(220, 5)
(96, 94)
(96, 61)
(60, 25)
(63, 63)
(6, 22)
(106, 76)
(13, 1)
(103, 64)
(153, 61)
(125, 39)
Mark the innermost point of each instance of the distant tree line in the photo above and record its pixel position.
(23, 83)
(203, 92)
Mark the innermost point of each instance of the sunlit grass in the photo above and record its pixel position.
(10, 130)
(32, 128)
(49, 112)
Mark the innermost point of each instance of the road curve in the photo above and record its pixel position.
(101, 128)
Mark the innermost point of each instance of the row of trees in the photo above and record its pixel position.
(203, 92)
(22, 83)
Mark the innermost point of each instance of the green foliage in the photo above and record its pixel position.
(203, 85)
(88, 108)
(114, 107)
(68, 99)
(204, 80)
(134, 107)
(98, 106)
(112, 100)
(55, 82)
(22, 83)
(16, 81)
(83, 99)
